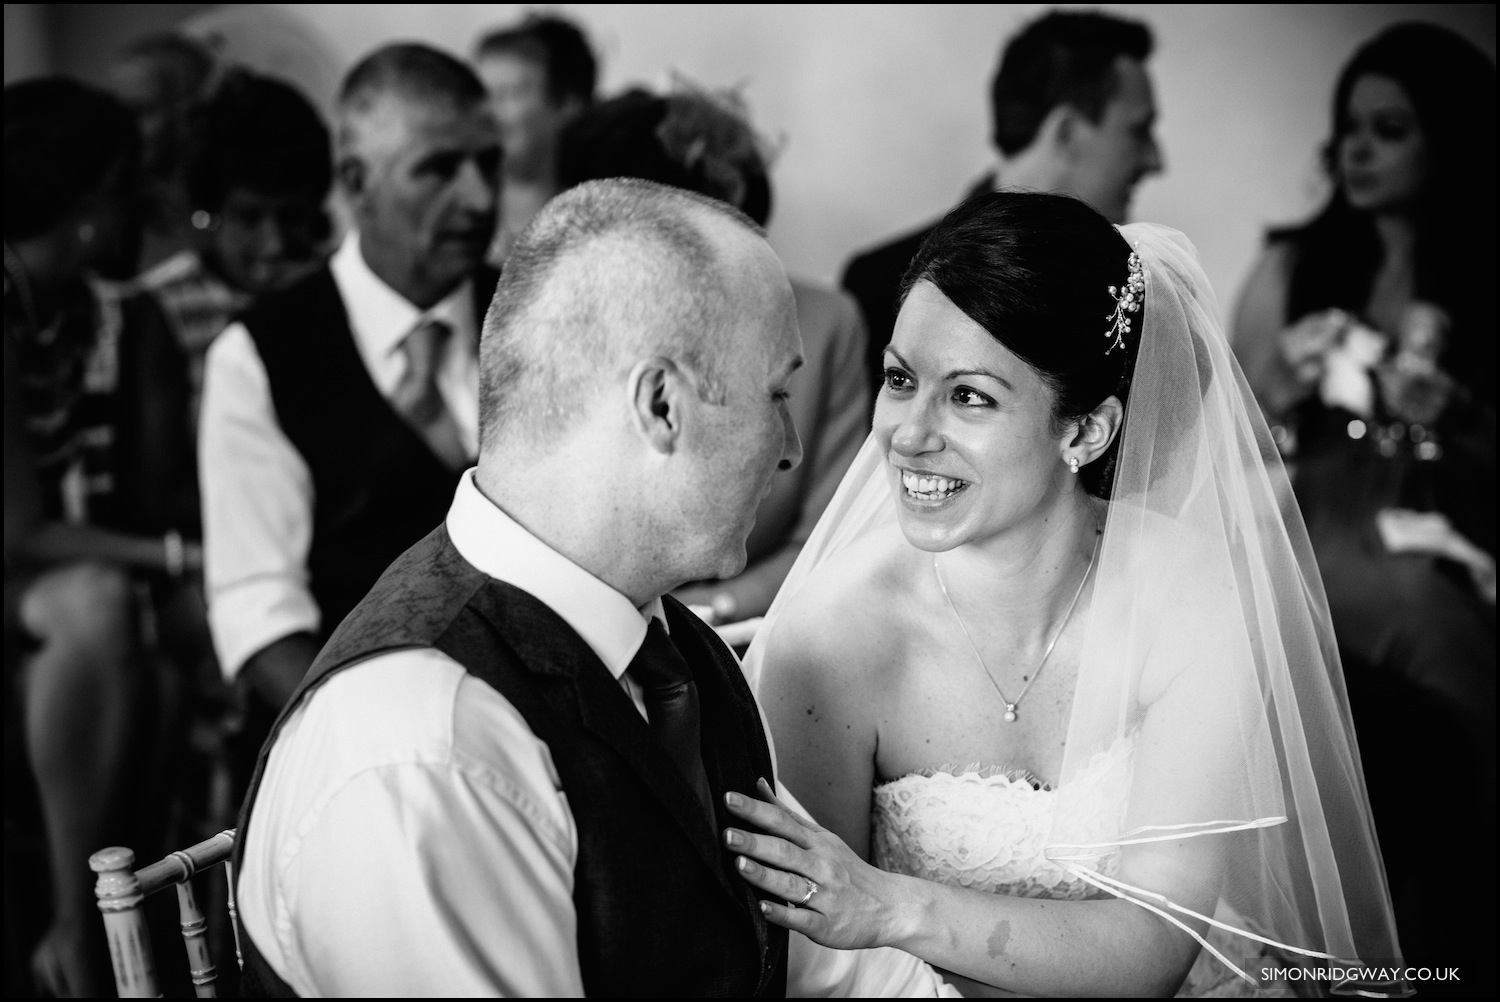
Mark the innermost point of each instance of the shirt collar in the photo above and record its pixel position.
(502, 548)
(381, 317)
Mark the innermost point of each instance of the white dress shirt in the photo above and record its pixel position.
(257, 491)
(411, 836)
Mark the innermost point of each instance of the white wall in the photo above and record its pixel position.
(28, 47)
(882, 106)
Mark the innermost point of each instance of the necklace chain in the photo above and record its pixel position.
(1010, 705)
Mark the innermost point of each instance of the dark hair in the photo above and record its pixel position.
(411, 70)
(1034, 270)
(688, 140)
(558, 45)
(1060, 58)
(262, 134)
(63, 142)
(1451, 85)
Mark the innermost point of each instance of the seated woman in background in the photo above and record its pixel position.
(702, 142)
(100, 509)
(1368, 335)
(257, 177)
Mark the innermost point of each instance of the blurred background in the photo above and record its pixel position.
(880, 109)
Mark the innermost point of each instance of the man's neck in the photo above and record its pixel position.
(587, 532)
(1032, 169)
(398, 275)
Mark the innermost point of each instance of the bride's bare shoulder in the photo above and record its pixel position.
(851, 604)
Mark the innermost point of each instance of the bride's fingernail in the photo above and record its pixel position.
(744, 865)
(733, 799)
(732, 837)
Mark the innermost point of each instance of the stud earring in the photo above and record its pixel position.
(1072, 464)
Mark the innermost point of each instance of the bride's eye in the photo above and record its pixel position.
(967, 396)
(895, 379)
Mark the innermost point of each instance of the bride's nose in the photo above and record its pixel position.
(916, 429)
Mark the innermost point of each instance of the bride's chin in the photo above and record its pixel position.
(927, 534)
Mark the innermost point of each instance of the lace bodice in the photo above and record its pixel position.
(986, 828)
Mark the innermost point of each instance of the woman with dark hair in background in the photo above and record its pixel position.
(1368, 335)
(100, 508)
(704, 142)
(257, 177)
(1053, 674)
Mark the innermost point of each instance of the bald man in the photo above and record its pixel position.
(338, 416)
(505, 773)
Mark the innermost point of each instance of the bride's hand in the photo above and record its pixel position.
(850, 906)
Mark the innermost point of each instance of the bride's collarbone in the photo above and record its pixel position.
(940, 713)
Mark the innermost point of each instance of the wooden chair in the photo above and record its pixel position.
(122, 890)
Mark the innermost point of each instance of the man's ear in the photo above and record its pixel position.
(657, 392)
(1093, 433)
(1065, 126)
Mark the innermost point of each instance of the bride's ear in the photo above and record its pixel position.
(1093, 433)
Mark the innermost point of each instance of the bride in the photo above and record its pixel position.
(1055, 673)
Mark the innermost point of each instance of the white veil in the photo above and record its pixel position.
(1208, 645)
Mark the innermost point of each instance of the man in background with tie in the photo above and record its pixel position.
(505, 774)
(339, 414)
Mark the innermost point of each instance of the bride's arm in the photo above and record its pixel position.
(1032, 946)
(1026, 945)
(818, 699)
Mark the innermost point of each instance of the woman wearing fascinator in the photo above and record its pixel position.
(1054, 673)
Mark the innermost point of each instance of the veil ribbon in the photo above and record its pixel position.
(1209, 650)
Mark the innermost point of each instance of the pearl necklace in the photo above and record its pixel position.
(1010, 705)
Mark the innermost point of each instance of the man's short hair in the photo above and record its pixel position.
(1060, 58)
(557, 45)
(642, 278)
(409, 70)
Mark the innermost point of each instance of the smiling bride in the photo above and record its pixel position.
(1055, 674)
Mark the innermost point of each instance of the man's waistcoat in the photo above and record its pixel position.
(660, 908)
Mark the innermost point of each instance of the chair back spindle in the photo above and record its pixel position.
(121, 890)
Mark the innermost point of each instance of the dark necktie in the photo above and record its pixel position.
(671, 699)
(417, 399)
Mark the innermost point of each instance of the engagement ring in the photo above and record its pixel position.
(812, 888)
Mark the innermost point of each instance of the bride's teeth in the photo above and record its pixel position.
(931, 488)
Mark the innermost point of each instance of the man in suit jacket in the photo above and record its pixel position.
(1072, 111)
(339, 413)
(505, 772)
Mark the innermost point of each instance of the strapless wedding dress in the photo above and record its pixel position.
(985, 827)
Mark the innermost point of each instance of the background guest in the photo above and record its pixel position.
(703, 142)
(339, 413)
(100, 510)
(1368, 335)
(1072, 111)
(540, 74)
(257, 178)
(163, 78)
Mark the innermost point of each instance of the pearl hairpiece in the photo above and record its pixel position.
(1127, 301)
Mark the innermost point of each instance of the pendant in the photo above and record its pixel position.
(1010, 713)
